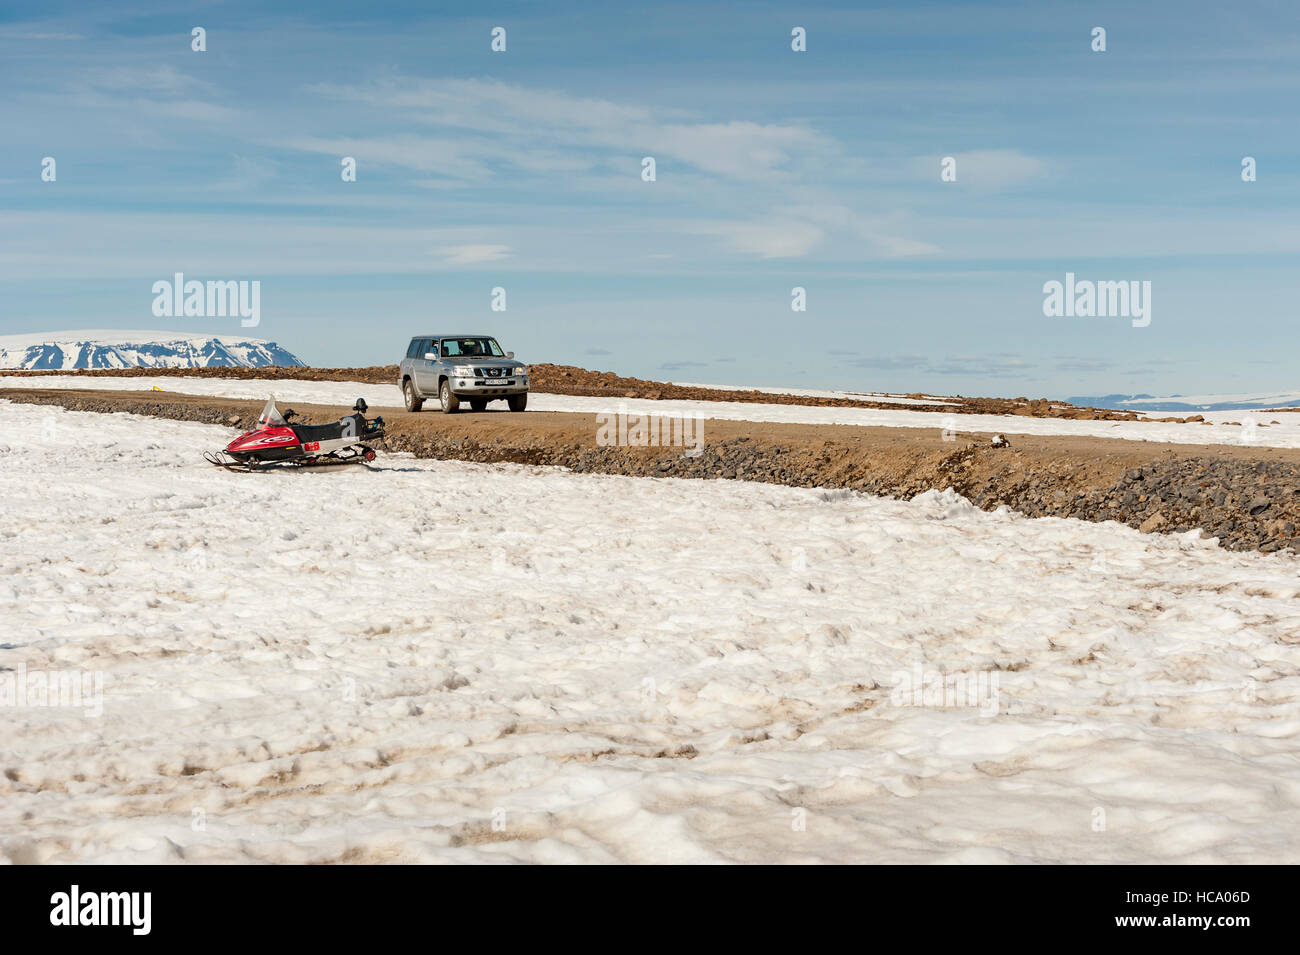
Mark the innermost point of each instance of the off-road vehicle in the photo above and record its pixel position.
(456, 368)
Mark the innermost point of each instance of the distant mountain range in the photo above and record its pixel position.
(118, 349)
(1260, 400)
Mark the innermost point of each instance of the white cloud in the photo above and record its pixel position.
(161, 79)
(247, 173)
(742, 150)
(446, 157)
(900, 247)
(548, 130)
(847, 229)
(22, 35)
(771, 240)
(473, 254)
(133, 92)
(99, 244)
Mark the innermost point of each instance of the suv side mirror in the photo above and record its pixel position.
(510, 354)
(431, 356)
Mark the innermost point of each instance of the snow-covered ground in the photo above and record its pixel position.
(440, 661)
(1281, 430)
(882, 397)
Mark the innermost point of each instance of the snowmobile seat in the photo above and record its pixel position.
(318, 432)
(330, 432)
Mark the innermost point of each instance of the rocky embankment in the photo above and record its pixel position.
(1249, 498)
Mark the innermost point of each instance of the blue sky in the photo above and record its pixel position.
(775, 169)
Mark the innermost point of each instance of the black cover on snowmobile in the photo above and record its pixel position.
(329, 432)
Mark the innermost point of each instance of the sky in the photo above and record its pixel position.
(775, 169)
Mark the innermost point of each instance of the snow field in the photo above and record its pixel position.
(441, 661)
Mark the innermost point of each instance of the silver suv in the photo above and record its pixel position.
(459, 368)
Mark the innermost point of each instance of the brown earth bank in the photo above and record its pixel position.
(1248, 497)
(571, 380)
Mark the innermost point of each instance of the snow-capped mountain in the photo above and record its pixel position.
(125, 349)
(1249, 402)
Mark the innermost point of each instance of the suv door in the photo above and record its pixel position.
(426, 370)
(412, 356)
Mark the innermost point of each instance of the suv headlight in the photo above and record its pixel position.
(519, 370)
(463, 371)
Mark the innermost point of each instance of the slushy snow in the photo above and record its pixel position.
(444, 661)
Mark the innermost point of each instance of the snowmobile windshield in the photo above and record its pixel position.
(271, 417)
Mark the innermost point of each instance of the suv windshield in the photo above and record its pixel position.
(471, 348)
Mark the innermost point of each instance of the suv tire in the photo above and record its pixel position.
(518, 402)
(408, 394)
(450, 403)
(478, 404)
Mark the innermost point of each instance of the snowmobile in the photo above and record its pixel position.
(275, 442)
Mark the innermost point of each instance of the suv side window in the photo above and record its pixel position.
(431, 346)
(414, 348)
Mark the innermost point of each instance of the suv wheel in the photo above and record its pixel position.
(478, 404)
(518, 402)
(408, 394)
(450, 403)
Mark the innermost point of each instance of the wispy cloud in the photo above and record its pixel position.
(977, 366)
(1074, 363)
(158, 79)
(771, 240)
(542, 129)
(38, 35)
(473, 254)
(133, 91)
